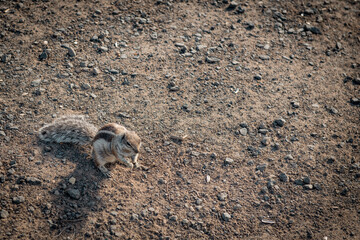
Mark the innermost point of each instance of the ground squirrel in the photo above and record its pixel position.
(110, 143)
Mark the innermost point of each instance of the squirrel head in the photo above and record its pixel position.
(127, 144)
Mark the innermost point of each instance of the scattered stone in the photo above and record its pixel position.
(295, 104)
(243, 131)
(36, 83)
(237, 207)
(306, 180)
(232, 6)
(33, 181)
(312, 29)
(356, 81)
(114, 71)
(279, 122)
(134, 217)
(333, 110)
(266, 140)
(102, 49)
(173, 218)
(226, 216)
(73, 193)
(299, 182)
(200, 47)
(18, 199)
(257, 77)
(207, 179)
(212, 60)
(244, 125)
(355, 101)
(222, 196)
(4, 214)
(228, 161)
(72, 180)
(344, 192)
(289, 157)
(309, 11)
(161, 181)
(317, 186)
(71, 52)
(96, 71)
(249, 26)
(181, 45)
(283, 177)
(261, 167)
(264, 57)
(44, 55)
(185, 221)
(308, 186)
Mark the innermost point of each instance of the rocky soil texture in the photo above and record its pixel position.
(248, 111)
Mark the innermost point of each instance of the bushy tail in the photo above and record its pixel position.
(68, 129)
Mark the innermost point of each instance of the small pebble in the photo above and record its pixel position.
(279, 122)
(222, 196)
(228, 161)
(4, 214)
(283, 177)
(243, 131)
(226, 216)
(72, 180)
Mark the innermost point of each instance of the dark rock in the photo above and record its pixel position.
(279, 122)
(355, 101)
(283, 177)
(261, 167)
(73, 193)
(356, 81)
(299, 182)
(239, 10)
(33, 181)
(232, 6)
(249, 26)
(44, 55)
(306, 180)
(257, 77)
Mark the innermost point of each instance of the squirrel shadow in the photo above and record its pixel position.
(77, 194)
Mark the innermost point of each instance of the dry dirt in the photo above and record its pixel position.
(267, 93)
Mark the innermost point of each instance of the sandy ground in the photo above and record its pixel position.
(267, 94)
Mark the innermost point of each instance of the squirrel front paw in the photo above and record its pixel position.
(130, 165)
(105, 171)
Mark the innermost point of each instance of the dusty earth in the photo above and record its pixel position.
(267, 94)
